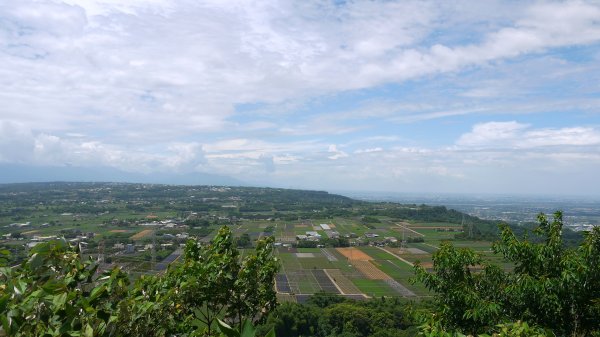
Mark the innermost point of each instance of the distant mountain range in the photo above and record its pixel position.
(15, 173)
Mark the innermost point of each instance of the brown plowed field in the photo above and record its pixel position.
(30, 232)
(370, 271)
(141, 234)
(354, 254)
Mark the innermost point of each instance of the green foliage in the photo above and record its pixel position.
(4, 257)
(432, 327)
(369, 219)
(467, 288)
(247, 330)
(329, 315)
(197, 222)
(324, 300)
(520, 329)
(551, 286)
(54, 293)
(213, 282)
(244, 241)
(293, 319)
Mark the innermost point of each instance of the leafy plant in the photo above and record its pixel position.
(213, 282)
(54, 293)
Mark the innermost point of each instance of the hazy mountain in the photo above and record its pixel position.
(15, 173)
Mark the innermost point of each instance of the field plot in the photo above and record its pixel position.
(287, 234)
(329, 255)
(399, 271)
(376, 253)
(423, 246)
(281, 284)
(325, 282)
(289, 261)
(343, 283)
(142, 234)
(402, 290)
(209, 237)
(374, 288)
(305, 255)
(436, 225)
(354, 254)
(479, 246)
(369, 270)
(402, 273)
(309, 250)
(316, 263)
(302, 282)
(411, 233)
(434, 234)
(282, 298)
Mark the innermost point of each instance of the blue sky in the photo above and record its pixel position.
(398, 96)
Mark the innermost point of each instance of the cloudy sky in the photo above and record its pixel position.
(407, 96)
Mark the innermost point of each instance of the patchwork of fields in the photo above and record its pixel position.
(362, 271)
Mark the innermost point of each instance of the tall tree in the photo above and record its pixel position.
(550, 286)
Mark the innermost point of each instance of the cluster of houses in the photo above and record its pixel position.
(169, 223)
(130, 248)
(330, 233)
(315, 236)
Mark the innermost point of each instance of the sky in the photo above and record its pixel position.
(392, 96)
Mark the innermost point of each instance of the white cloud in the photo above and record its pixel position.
(371, 150)
(16, 142)
(492, 133)
(521, 136)
(336, 154)
(184, 65)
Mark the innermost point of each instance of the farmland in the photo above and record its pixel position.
(324, 242)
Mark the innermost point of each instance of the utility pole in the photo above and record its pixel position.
(101, 252)
(471, 230)
(403, 243)
(470, 227)
(153, 265)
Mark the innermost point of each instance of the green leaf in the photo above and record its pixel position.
(96, 292)
(88, 331)
(247, 329)
(271, 333)
(5, 323)
(227, 330)
(59, 301)
(54, 287)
